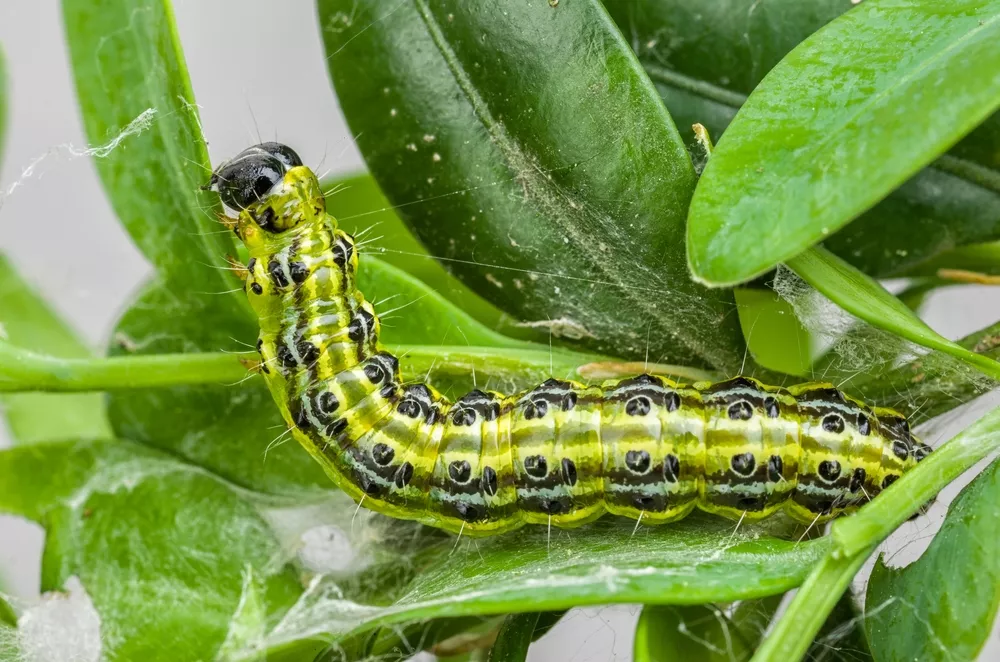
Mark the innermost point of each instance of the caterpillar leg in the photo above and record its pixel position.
(254, 366)
(237, 267)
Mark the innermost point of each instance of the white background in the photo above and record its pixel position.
(61, 234)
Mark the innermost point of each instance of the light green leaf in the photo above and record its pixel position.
(26, 321)
(775, 335)
(163, 549)
(863, 297)
(702, 633)
(705, 57)
(700, 559)
(844, 119)
(942, 606)
(137, 102)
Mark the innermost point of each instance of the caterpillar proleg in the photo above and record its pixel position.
(562, 453)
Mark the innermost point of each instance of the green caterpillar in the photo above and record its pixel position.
(562, 453)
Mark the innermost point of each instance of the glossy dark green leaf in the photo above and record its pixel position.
(807, 154)
(702, 633)
(526, 147)
(26, 321)
(700, 559)
(863, 297)
(165, 551)
(943, 605)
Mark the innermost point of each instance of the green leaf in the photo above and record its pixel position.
(702, 633)
(705, 58)
(136, 100)
(697, 560)
(863, 297)
(775, 335)
(806, 154)
(942, 606)
(233, 429)
(164, 550)
(424, 316)
(528, 149)
(128, 64)
(516, 634)
(7, 615)
(359, 206)
(10, 649)
(26, 321)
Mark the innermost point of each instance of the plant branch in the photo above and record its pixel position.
(22, 370)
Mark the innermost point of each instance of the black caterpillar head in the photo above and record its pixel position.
(259, 183)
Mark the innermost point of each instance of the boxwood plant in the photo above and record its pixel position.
(548, 201)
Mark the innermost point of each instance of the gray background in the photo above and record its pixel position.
(60, 232)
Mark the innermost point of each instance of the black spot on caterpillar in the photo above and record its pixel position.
(562, 453)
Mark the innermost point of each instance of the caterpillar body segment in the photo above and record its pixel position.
(562, 453)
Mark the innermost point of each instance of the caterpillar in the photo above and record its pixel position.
(562, 453)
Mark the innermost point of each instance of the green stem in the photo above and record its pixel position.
(794, 633)
(23, 370)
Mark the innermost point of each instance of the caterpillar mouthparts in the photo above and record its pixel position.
(562, 453)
